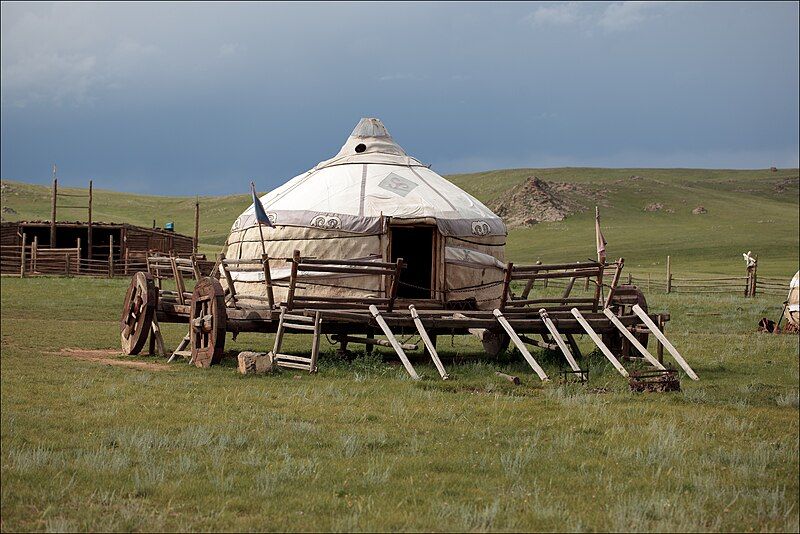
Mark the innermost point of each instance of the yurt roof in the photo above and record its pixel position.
(370, 178)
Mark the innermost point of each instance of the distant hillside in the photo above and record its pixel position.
(745, 210)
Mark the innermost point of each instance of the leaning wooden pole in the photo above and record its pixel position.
(53, 210)
(664, 341)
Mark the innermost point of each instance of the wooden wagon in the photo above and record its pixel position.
(614, 316)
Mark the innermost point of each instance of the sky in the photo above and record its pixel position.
(202, 98)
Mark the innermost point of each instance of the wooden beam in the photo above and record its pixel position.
(663, 339)
(559, 341)
(395, 344)
(428, 343)
(520, 345)
(599, 342)
(632, 339)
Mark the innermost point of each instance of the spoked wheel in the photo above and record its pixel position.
(137, 312)
(207, 322)
(625, 297)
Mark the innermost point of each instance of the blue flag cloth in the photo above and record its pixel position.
(261, 215)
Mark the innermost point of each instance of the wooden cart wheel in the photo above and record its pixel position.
(137, 312)
(626, 296)
(207, 321)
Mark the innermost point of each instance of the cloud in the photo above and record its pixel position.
(617, 16)
(625, 15)
(556, 15)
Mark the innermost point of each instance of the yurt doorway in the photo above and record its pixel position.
(415, 245)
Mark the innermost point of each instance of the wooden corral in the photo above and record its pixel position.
(114, 248)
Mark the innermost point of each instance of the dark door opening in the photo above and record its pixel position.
(415, 245)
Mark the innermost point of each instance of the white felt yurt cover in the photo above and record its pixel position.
(344, 207)
(371, 178)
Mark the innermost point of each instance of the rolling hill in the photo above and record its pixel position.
(744, 210)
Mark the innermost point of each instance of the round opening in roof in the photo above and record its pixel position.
(361, 147)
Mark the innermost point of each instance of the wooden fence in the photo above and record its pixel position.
(32, 261)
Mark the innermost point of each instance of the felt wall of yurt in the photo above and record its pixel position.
(792, 312)
(368, 202)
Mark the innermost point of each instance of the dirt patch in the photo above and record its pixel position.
(106, 357)
(699, 210)
(534, 201)
(781, 186)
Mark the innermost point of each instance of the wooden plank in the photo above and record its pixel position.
(520, 345)
(395, 344)
(632, 339)
(599, 342)
(663, 339)
(614, 282)
(293, 358)
(315, 345)
(301, 327)
(228, 279)
(428, 343)
(559, 341)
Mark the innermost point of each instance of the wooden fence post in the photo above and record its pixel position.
(111, 256)
(78, 257)
(755, 278)
(34, 252)
(22, 256)
(669, 275)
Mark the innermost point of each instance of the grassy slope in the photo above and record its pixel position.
(744, 213)
(360, 447)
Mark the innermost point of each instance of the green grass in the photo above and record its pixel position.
(87, 446)
(746, 211)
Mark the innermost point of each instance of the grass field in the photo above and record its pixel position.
(91, 446)
(747, 210)
(92, 440)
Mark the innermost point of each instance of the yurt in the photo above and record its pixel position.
(792, 312)
(374, 201)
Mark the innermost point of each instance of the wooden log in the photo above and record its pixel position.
(292, 280)
(632, 339)
(520, 345)
(599, 342)
(344, 338)
(397, 348)
(663, 339)
(428, 343)
(506, 285)
(559, 341)
(359, 271)
(513, 379)
(363, 263)
(254, 363)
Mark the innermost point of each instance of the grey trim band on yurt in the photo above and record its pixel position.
(370, 225)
